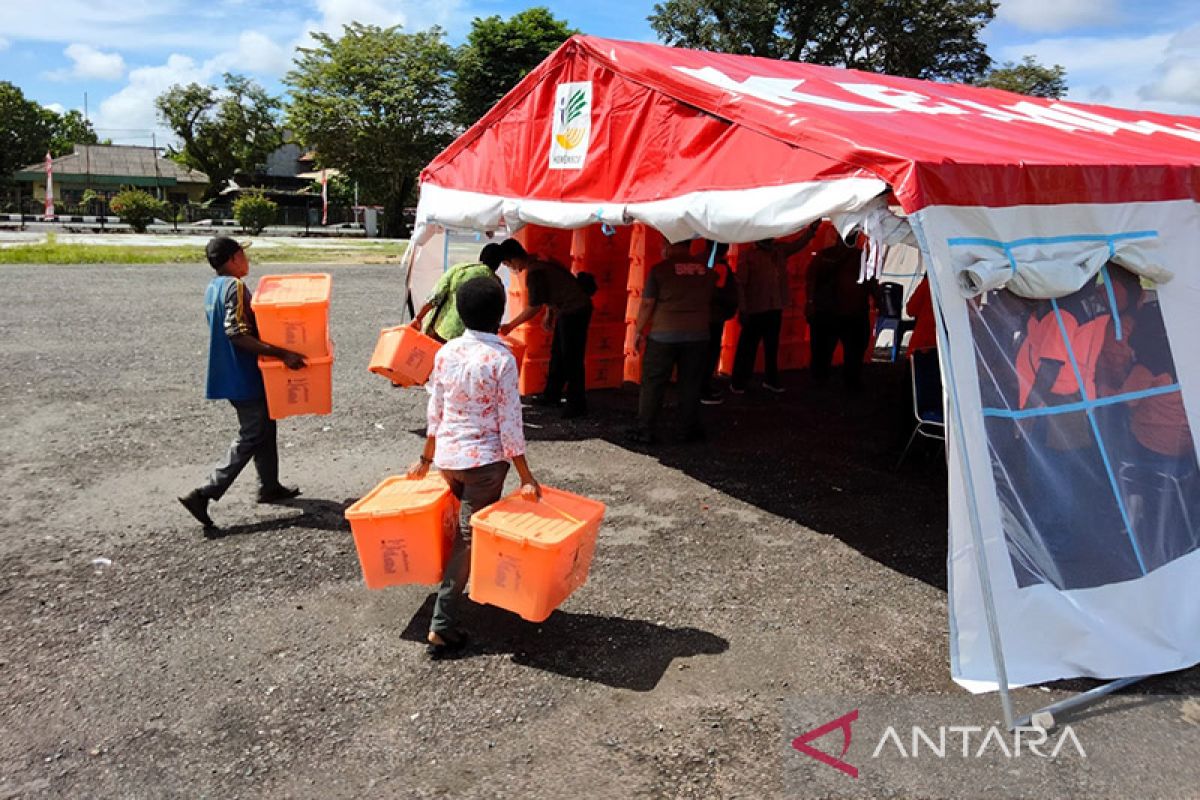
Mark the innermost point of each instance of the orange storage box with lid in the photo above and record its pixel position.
(404, 355)
(528, 557)
(292, 392)
(292, 311)
(403, 530)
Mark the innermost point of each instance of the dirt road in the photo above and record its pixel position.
(137, 659)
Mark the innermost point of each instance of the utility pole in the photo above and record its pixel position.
(154, 149)
(87, 156)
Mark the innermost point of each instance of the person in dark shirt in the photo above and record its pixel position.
(676, 306)
(838, 310)
(724, 308)
(233, 375)
(763, 294)
(569, 309)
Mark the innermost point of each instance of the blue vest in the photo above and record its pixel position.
(232, 372)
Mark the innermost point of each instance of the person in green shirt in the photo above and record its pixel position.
(445, 324)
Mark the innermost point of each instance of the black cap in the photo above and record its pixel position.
(221, 248)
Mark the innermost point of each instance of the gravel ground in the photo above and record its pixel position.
(786, 557)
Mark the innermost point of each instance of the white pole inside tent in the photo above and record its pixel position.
(960, 440)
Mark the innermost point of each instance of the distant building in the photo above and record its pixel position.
(107, 168)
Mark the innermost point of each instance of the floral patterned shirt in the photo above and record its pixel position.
(474, 404)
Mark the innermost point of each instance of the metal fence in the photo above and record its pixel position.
(178, 215)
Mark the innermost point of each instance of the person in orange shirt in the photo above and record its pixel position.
(920, 308)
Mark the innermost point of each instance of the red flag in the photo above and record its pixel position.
(49, 210)
(324, 198)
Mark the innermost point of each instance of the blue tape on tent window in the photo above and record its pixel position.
(1091, 415)
(712, 256)
(607, 230)
(1067, 408)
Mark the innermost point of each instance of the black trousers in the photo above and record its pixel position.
(761, 327)
(255, 441)
(826, 330)
(567, 352)
(715, 331)
(658, 362)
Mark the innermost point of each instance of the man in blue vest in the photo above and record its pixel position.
(233, 375)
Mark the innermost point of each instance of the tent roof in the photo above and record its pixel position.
(666, 122)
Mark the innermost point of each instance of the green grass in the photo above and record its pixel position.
(53, 252)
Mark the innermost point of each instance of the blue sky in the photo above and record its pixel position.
(123, 53)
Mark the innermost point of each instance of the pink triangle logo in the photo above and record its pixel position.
(801, 743)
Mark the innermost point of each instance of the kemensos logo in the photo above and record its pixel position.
(571, 129)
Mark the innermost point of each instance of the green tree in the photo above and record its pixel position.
(25, 131)
(254, 211)
(1029, 77)
(498, 53)
(375, 103)
(931, 39)
(136, 208)
(224, 131)
(68, 130)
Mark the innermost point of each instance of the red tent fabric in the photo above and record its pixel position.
(667, 121)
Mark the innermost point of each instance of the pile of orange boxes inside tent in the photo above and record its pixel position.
(645, 250)
(555, 245)
(292, 312)
(603, 252)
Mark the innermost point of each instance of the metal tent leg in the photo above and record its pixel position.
(985, 582)
(1044, 717)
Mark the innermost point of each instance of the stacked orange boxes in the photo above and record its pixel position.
(549, 243)
(645, 250)
(605, 256)
(292, 312)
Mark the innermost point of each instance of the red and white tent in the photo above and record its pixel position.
(997, 191)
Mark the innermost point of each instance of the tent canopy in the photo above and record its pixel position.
(737, 148)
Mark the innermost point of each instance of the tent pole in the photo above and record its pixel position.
(985, 582)
(1044, 717)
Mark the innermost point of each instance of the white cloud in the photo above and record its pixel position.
(409, 14)
(1177, 78)
(57, 108)
(4, 43)
(256, 53)
(130, 116)
(1050, 16)
(90, 63)
(1155, 72)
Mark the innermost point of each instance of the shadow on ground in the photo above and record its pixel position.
(321, 515)
(824, 457)
(614, 651)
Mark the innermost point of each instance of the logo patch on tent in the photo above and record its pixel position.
(571, 130)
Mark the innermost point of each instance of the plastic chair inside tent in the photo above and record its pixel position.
(927, 399)
(891, 316)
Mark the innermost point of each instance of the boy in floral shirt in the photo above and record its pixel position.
(475, 429)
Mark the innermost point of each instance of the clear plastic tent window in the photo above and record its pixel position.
(1093, 458)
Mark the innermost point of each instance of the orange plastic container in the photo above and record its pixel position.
(517, 347)
(403, 530)
(292, 392)
(404, 355)
(604, 373)
(529, 557)
(292, 311)
(606, 339)
(533, 375)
